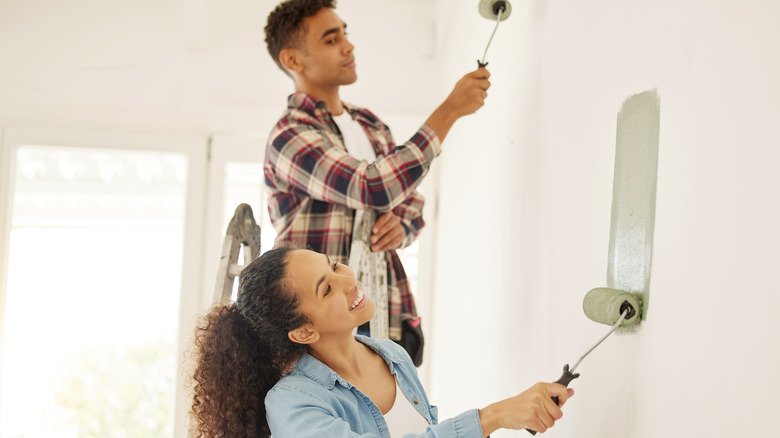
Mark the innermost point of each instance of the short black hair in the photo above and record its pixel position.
(285, 29)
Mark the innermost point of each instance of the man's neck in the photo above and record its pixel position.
(329, 95)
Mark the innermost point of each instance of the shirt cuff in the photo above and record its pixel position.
(467, 424)
(408, 235)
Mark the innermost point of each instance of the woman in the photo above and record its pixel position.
(283, 359)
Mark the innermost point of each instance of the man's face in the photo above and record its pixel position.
(327, 55)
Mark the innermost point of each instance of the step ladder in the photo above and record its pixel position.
(370, 270)
(242, 232)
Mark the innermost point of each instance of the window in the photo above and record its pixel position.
(93, 296)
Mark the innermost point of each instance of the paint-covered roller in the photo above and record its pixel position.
(498, 10)
(605, 305)
(617, 308)
(495, 9)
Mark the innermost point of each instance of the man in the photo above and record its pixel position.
(326, 159)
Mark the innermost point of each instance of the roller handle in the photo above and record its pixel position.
(565, 379)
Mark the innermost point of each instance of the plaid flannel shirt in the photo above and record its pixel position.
(314, 186)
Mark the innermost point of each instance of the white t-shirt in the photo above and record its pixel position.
(403, 418)
(355, 138)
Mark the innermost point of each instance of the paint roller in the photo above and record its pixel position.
(498, 10)
(607, 306)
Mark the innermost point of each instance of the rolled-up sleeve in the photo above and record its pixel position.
(411, 216)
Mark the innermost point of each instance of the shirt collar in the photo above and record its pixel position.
(312, 368)
(304, 102)
(318, 109)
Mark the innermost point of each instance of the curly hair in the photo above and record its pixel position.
(242, 350)
(285, 28)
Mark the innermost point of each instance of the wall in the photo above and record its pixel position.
(526, 193)
(196, 65)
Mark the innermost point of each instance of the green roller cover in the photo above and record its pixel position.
(488, 9)
(603, 305)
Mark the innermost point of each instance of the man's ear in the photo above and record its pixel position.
(304, 334)
(291, 60)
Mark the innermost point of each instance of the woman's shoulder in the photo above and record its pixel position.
(309, 375)
(294, 390)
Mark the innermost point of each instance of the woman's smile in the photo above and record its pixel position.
(358, 301)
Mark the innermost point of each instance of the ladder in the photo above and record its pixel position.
(242, 231)
(370, 270)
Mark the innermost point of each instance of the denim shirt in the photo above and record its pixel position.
(314, 401)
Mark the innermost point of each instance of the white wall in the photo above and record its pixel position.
(525, 208)
(197, 65)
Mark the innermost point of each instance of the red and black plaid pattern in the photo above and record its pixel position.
(314, 186)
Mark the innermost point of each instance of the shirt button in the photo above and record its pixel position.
(417, 401)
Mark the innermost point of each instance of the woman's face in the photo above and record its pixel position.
(328, 293)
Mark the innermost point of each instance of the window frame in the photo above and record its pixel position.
(195, 147)
(223, 149)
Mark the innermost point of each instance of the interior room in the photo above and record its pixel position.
(131, 130)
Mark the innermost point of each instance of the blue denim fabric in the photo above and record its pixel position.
(314, 401)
